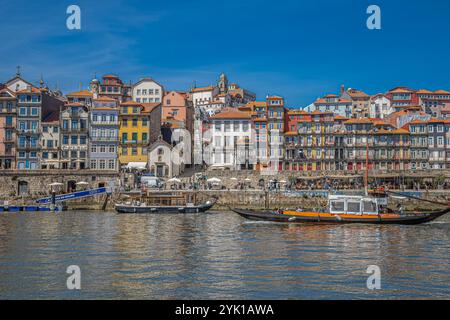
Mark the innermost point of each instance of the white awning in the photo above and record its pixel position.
(137, 165)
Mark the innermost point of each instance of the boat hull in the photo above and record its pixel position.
(163, 209)
(325, 218)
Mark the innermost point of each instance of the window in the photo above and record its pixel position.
(369, 206)
(111, 164)
(82, 140)
(102, 164)
(135, 122)
(134, 136)
(93, 164)
(65, 139)
(134, 151)
(93, 148)
(144, 136)
(102, 149)
(74, 140)
(353, 207)
(112, 149)
(144, 122)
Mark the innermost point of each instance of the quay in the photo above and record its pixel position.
(245, 188)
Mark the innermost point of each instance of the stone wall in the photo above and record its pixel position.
(35, 184)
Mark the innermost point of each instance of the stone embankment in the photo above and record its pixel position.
(22, 187)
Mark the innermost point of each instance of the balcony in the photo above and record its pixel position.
(28, 147)
(8, 110)
(134, 141)
(28, 131)
(104, 123)
(9, 126)
(75, 130)
(107, 139)
(9, 139)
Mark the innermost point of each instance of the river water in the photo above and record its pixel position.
(217, 256)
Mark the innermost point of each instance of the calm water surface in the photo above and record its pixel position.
(216, 255)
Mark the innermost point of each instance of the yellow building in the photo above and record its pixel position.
(140, 125)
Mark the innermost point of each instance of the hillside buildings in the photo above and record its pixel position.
(111, 126)
(8, 125)
(104, 134)
(147, 90)
(140, 125)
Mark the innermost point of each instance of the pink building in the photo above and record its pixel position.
(8, 117)
(178, 110)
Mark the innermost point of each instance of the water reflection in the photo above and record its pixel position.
(216, 255)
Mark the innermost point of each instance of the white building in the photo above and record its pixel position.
(147, 90)
(231, 140)
(162, 162)
(202, 98)
(333, 103)
(380, 106)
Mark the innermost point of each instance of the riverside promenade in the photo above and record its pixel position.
(247, 189)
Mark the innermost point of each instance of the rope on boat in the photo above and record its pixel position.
(417, 198)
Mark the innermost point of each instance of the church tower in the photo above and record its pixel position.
(95, 87)
(223, 83)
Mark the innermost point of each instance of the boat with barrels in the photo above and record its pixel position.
(164, 202)
(349, 209)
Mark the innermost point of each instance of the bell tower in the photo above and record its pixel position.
(223, 83)
(95, 87)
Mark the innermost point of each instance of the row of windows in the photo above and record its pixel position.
(103, 149)
(149, 100)
(235, 125)
(74, 154)
(134, 137)
(50, 143)
(104, 118)
(74, 140)
(135, 122)
(29, 98)
(144, 92)
(103, 164)
(23, 154)
(28, 111)
(49, 129)
(8, 105)
(133, 151)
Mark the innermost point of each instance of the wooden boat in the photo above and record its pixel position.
(346, 209)
(164, 203)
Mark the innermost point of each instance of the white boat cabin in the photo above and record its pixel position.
(361, 205)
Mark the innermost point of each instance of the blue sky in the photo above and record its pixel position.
(298, 49)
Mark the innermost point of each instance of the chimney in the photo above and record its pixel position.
(342, 89)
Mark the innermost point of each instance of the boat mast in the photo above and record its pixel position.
(366, 176)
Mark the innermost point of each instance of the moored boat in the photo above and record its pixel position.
(138, 207)
(346, 209)
(164, 203)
